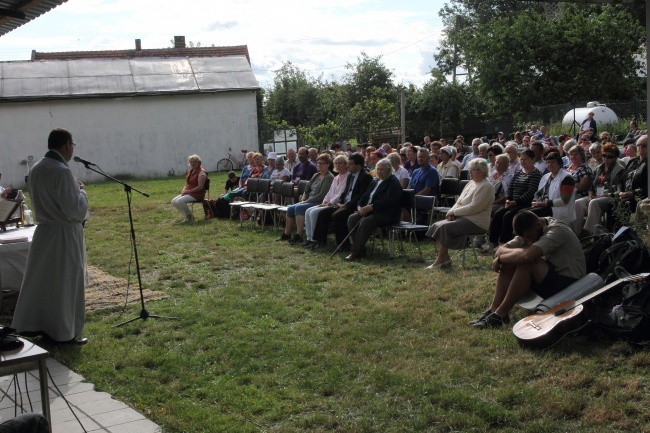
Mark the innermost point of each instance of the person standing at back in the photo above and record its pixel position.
(51, 300)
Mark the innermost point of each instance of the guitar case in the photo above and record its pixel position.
(584, 286)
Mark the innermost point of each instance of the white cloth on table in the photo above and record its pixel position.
(13, 257)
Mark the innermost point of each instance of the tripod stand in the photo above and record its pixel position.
(144, 314)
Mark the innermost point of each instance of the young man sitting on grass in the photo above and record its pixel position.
(545, 257)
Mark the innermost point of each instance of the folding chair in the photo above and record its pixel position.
(302, 185)
(449, 192)
(206, 187)
(288, 197)
(411, 228)
(251, 191)
(260, 208)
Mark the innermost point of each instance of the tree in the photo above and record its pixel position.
(438, 108)
(367, 74)
(526, 58)
(375, 111)
(293, 98)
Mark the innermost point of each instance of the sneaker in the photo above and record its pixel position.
(481, 317)
(488, 248)
(493, 320)
(306, 244)
(296, 239)
(477, 241)
(284, 237)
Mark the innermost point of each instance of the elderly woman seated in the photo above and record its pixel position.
(520, 194)
(400, 172)
(470, 215)
(446, 166)
(314, 194)
(556, 193)
(512, 150)
(332, 198)
(608, 177)
(579, 170)
(378, 207)
(193, 190)
(500, 179)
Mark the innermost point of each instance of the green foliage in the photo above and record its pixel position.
(518, 58)
(369, 78)
(294, 97)
(376, 111)
(439, 107)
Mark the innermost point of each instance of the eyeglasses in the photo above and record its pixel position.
(608, 156)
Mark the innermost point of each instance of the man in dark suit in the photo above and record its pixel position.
(357, 184)
(379, 206)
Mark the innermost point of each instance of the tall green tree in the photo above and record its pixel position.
(524, 57)
(439, 107)
(366, 75)
(294, 97)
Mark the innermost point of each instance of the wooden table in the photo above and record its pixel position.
(29, 357)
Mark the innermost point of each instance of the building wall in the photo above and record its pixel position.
(145, 137)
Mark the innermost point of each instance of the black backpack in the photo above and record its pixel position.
(630, 317)
(627, 251)
(593, 247)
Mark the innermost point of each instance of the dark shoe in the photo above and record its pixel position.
(31, 334)
(352, 257)
(74, 341)
(481, 317)
(306, 244)
(493, 320)
(284, 237)
(296, 239)
(313, 245)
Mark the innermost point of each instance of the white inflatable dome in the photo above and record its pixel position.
(602, 114)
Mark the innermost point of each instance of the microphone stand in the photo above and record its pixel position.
(144, 314)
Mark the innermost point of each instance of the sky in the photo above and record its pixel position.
(318, 37)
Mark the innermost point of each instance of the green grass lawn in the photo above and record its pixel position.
(271, 337)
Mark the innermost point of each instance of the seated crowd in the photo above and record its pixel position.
(530, 198)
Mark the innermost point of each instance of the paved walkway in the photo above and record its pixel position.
(97, 411)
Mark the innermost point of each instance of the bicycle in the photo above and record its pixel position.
(230, 162)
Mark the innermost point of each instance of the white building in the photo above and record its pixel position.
(140, 115)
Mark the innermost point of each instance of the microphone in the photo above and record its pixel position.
(83, 161)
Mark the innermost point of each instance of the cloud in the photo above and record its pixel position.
(221, 25)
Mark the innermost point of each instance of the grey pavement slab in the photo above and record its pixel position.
(97, 411)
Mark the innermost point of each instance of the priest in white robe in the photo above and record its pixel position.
(51, 300)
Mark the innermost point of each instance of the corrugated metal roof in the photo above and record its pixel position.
(32, 9)
(27, 80)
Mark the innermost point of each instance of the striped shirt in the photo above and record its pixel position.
(523, 187)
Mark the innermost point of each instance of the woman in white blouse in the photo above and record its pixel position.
(401, 173)
(446, 166)
(331, 199)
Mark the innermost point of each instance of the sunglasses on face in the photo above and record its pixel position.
(608, 156)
